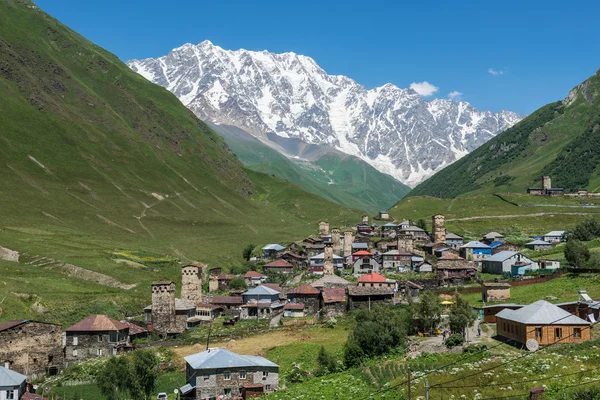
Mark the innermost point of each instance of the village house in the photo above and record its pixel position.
(219, 373)
(12, 384)
(358, 246)
(405, 224)
(503, 262)
(231, 305)
(362, 262)
(319, 261)
(384, 246)
(135, 331)
(295, 259)
(330, 281)
(409, 289)
(307, 295)
(31, 347)
(293, 310)
(454, 269)
(271, 251)
(167, 315)
(554, 237)
(475, 251)
(543, 322)
(418, 233)
(279, 266)
(493, 237)
(424, 267)
(453, 241)
(261, 302)
(384, 215)
(498, 247)
(365, 229)
(549, 264)
(333, 302)
(489, 312)
(366, 296)
(253, 278)
(96, 336)
(397, 261)
(220, 282)
(206, 312)
(538, 245)
(373, 279)
(546, 189)
(495, 291)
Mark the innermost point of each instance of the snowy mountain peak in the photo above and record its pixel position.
(288, 94)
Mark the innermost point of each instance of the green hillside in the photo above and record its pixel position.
(561, 139)
(95, 159)
(335, 176)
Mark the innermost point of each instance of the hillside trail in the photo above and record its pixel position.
(434, 344)
(516, 216)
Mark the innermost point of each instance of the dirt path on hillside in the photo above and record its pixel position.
(516, 216)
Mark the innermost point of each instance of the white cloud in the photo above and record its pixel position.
(455, 95)
(494, 72)
(424, 88)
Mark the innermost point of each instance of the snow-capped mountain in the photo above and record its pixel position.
(393, 129)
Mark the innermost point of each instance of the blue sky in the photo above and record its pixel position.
(515, 55)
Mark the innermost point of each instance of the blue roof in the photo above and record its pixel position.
(218, 358)
(10, 378)
(261, 290)
(274, 246)
(495, 244)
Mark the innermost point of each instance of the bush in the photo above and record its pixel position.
(576, 253)
(455, 339)
(238, 283)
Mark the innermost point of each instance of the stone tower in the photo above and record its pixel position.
(405, 242)
(163, 307)
(348, 240)
(191, 284)
(336, 241)
(365, 220)
(328, 260)
(546, 182)
(324, 228)
(438, 231)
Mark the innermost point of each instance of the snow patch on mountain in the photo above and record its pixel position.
(391, 128)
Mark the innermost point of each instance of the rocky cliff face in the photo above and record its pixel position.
(393, 129)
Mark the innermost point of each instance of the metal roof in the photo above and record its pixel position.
(360, 245)
(555, 233)
(330, 280)
(476, 244)
(542, 313)
(218, 358)
(322, 257)
(10, 378)
(450, 235)
(261, 290)
(503, 256)
(97, 323)
(274, 246)
(496, 244)
(493, 235)
(540, 242)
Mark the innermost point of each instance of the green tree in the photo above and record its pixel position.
(238, 283)
(586, 230)
(461, 316)
(247, 252)
(422, 224)
(326, 362)
(576, 253)
(145, 368)
(426, 314)
(115, 378)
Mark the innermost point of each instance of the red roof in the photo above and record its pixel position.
(253, 274)
(294, 255)
(304, 289)
(362, 253)
(279, 264)
(225, 277)
(31, 396)
(226, 300)
(334, 295)
(11, 324)
(372, 277)
(293, 306)
(134, 329)
(273, 286)
(97, 323)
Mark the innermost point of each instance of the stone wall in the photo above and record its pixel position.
(31, 348)
(88, 345)
(438, 230)
(328, 261)
(211, 383)
(333, 309)
(163, 307)
(336, 241)
(191, 284)
(348, 240)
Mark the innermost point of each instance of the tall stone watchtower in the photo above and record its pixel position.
(405, 242)
(163, 307)
(546, 182)
(328, 260)
(324, 228)
(438, 232)
(348, 240)
(336, 240)
(191, 284)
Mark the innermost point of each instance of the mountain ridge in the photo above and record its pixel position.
(391, 128)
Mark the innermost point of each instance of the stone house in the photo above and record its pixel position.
(363, 262)
(475, 250)
(12, 384)
(307, 295)
(495, 291)
(538, 245)
(453, 240)
(167, 315)
(231, 305)
(409, 289)
(373, 279)
(418, 233)
(261, 302)
(497, 247)
(395, 260)
(96, 336)
(295, 259)
(455, 269)
(502, 262)
(424, 267)
(333, 302)
(280, 266)
(31, 347)
(319, 261)
(493, 237)
(330, 281)
(223, 281)
(218, 373)
(362, 296)
(543, 322)
(253, 278)
(271, 251)
(293, 310)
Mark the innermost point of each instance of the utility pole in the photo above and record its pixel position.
(427, 390)
(409, 384)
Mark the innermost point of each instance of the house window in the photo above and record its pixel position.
(99, 352)
(227, 391)
(99, 338)
(577, 332)
(265, 374)
(75, 353)
(75, 340)
(226, 376)
(267, 388)
(7, 364)
(557, 333)
(114, 351)
(10, 394)
(242, 374)
(206, 378)
(538, 333)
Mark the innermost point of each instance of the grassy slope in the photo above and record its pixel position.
(342, 179)
(95, 158)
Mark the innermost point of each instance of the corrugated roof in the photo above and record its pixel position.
(450, 235)
(278, 264)
(334, 295)
(11, 324)
(555, 233)
(360, 245)
(293, 306)
(133, 328)
(274, 246)
(97, 323)
(362, 253)
(330, 280)
(538, 242)
(261, 290)
(322, 257)
(502, 256)
(493, 235)
(496, 244)
(253, 274)
(9, 377)
(304, 289)
(372, 277)
(541, 313)
(226, 300)
(218, 358)
(476, 244)
(369, 291)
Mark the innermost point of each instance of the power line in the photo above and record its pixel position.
(527, 394)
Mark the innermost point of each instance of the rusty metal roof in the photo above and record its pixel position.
(334, 295)
(11, 324)
(97, 323)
